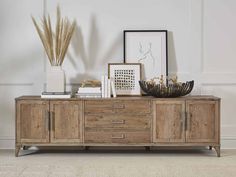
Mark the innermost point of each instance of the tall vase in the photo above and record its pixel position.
(55, 79)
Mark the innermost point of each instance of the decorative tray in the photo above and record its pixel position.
(166, 91)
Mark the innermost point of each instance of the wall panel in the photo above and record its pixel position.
(201, 47)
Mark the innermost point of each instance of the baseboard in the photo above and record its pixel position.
(227, 142)
(7, 142)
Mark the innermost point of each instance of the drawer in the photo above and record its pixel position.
(118, 106)
(110, 121)
(117, 137)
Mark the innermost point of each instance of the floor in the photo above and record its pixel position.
(118, 163)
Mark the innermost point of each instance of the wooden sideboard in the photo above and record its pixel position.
(124, 121)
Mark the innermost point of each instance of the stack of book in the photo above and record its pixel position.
(89, 92)
(108, 87)
(56, 95)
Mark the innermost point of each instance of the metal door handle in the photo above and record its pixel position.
(182, 117)
(188, 121)
(52, 122)
(47, 117)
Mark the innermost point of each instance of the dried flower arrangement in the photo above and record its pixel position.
(55, 44)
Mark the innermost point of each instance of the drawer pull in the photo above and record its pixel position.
(119, 106)
(182, 120)
(118, 137)
(52, 121)
(118, 121)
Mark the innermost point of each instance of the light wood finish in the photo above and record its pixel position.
(124, 121)
(192, 121)
(117, 107)
(32, 121)
(66, 121)
(117, 137)
(169, 121)
(202, 121)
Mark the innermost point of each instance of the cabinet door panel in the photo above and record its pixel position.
(32, 121)
(169, 122)
(66, 121)
(203, 121)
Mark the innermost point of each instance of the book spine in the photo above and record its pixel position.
(89, 91)
(113, 89)
(109, 88)
(55, 96)
(103, 86)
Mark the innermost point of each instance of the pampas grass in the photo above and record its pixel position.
(55, 44)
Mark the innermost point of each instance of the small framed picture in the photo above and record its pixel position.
(126, 77)
(148, 47)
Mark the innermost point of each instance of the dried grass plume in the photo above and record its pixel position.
(55, 43)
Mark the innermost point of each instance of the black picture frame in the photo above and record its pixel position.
(164, 52)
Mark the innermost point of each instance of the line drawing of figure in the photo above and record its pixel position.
(147, 59)
(146, 55)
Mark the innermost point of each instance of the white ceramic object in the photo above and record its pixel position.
(55, 79)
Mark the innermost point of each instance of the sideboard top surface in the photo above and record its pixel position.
(195, 97)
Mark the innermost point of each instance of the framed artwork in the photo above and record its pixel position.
(126, 77)
(149, 48)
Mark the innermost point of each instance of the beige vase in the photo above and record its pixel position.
(55, 79)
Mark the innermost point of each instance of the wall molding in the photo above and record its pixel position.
(16, 84)
(228, 142)
(220, 78)
(7, 142)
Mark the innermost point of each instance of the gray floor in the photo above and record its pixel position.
(118, 163)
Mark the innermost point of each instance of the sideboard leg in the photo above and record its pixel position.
(217, 148)
(147, 148)
(210, 147)
(17, 150)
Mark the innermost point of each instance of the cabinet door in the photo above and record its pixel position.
(32, 121)
(202, 121)
(66, 121)
(169, 121)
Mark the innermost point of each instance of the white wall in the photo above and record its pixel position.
(201, 40)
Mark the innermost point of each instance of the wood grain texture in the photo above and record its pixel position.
(202, 121)
(137, 121)
(118, 121)
(121, 137)
(169, 122)
(66, 121)
(117, 107)
(31, 120)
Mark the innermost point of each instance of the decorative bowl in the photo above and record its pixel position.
(166, 91)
